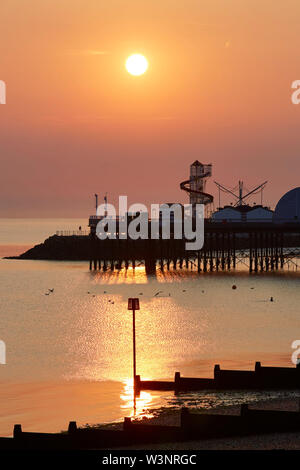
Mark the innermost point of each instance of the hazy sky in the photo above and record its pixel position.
(218, 89)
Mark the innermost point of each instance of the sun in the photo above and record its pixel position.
(136, 64)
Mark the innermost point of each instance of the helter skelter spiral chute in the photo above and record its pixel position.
(195, 185)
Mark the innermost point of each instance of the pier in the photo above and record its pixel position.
(256, 245)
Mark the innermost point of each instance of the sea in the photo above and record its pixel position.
(68, 333)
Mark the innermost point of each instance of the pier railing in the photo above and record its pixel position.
(72, 233)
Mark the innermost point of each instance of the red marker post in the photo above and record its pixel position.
(133, 304)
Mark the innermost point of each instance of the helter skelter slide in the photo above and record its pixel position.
(195, 186)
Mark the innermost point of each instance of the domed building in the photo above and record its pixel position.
(288, 208)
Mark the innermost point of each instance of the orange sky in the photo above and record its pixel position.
(218, 89)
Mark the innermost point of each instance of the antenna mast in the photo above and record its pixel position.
(240, 198)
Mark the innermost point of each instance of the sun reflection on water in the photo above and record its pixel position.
(122, 276)
(138, 407)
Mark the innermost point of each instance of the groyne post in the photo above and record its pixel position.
(177, 382)
(72, 428)
(17, 431)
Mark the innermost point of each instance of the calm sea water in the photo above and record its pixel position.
(69, 353)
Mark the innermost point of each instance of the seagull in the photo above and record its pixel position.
(51, 290)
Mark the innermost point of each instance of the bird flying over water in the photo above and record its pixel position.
(155, 295)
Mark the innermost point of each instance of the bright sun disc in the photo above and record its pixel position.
(136, 64)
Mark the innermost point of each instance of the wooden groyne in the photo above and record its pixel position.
(261, 378)
(250, 421)
(192, 427)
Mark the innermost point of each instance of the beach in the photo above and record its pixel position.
(278, 441)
